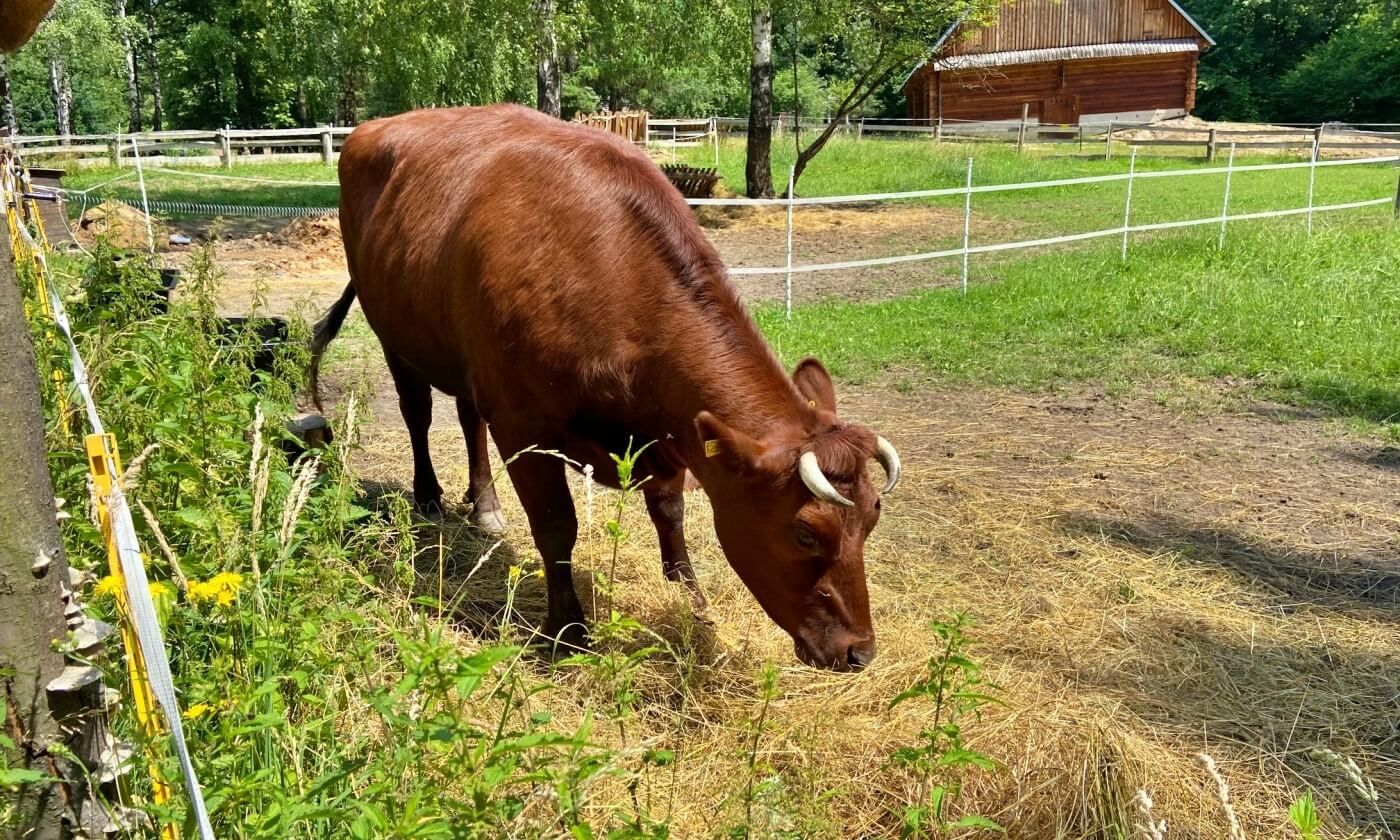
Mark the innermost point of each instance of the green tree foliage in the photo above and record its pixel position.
(275, 63)
(1355, 76)
(1309, 60)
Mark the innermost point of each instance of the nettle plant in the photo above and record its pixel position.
(956, 690)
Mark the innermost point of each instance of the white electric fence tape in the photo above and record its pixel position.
(138, 592)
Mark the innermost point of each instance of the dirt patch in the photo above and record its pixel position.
(306, 256)
(1298, 140)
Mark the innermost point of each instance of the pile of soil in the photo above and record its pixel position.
(307, 232)
(122, 225)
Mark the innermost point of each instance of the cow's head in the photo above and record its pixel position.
(19, 19)
(792, 512)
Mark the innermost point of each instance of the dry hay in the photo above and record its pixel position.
(122, 225)
(1118, 658)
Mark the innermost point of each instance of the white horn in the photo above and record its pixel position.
(816, 481)
(889, 459)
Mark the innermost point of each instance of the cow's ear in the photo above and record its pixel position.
(814, 383)
(737, 450)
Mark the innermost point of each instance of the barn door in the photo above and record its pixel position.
(1059, 110)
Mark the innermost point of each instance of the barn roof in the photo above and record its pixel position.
(1130, 48)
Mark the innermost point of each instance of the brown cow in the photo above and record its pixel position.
(19, 19)
(549, 277)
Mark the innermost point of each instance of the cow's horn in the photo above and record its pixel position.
(816, 481)
(888, 457)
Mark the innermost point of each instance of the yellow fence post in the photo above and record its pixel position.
(104, 461)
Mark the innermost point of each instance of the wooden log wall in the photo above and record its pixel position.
(1103, 86)
(1036, 24)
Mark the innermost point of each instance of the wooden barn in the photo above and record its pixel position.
(1069, 60)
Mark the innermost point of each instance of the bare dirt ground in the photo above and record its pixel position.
(1337, 143)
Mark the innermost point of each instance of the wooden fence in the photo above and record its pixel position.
(629, 124)
(228, 146)
(196, 147)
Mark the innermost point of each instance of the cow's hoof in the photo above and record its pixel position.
(489, 521)
(570, 639)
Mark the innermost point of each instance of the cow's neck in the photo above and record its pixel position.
(743, 385)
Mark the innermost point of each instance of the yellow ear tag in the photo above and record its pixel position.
(811, 403)
(711, 448)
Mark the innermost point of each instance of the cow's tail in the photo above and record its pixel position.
(325, 331)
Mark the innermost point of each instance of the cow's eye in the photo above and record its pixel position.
(805, 538)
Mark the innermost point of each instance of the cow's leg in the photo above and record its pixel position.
(544, 492)
(666, 505)
(416, 405)
(481, 487)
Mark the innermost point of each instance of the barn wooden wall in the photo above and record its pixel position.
(1104, 86)
(1036, 24)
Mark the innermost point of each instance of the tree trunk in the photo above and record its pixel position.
(153, 59)
(7, 100)
(546, 59)
(758, 165)
(32, 568)
(133, 91)
(62, 98)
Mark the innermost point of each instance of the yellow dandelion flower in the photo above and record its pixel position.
(227, 580)
(539, 573)
(514, 574)
(202, 591)
(197, 711)
(159, 590)
(109, 587)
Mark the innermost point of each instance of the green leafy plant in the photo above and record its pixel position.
(956, 690)
(1302, 812)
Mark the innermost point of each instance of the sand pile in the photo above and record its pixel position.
(122, 225)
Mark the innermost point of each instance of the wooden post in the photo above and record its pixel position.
(114, 151)
(1317, 143)
(225, 149)
(326, 145)
(860, 129)
(1210, 147)
(1108, 142)
(938, 130)
(1081, 137)
(1021, 134)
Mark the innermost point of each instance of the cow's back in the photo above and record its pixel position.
(504, 251)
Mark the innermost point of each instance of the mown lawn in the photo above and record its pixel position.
(1313, 322)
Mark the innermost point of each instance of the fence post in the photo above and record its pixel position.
(326, 144)
(226, 148)
(967, 224)
(1108, 142)
(787, 285)
(1396, 212)
(114, 150)
(1021, 132)
(1312, 175)
(1081, 137)
(145, 205)
(1210, 147)
(673, 142)
(938, 131)
(860, 129)
(1225, 208)
(1128, 202)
